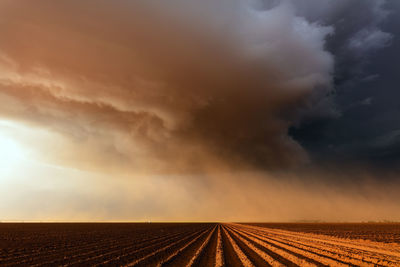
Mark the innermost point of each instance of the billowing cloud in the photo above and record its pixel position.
(206, 80)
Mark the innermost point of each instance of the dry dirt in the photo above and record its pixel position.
(198, 244)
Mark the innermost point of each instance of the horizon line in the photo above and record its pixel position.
(191, 221)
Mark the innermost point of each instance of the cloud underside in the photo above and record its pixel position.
(182, 86)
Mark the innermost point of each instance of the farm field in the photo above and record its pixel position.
(198, 244)
(381, 232)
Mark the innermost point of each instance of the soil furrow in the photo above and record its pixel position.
(219, 256)
(294, 257)
(267, 250)
(55, 250)
(240, 254)
(267, 259)
(107, 250)
(58, 256)
(150, 254)
(321, 253)
(198, 244)
(158, 257)
(208, 254)
(340, 253)
(231, 259)
(143, 249)
(368, 246)
(311, 257)
(258, 257)
(186, 255)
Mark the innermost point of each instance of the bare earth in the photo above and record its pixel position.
(198, 244)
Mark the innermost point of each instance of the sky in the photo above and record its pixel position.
(231, 110)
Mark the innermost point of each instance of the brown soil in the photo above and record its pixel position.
(198, 244)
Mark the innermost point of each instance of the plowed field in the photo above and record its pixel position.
(195, 244)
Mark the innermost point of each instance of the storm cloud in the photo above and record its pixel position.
(365, 112)
(199, 79)
(183, 84)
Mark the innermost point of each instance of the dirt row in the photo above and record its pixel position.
(238, 245)
(114, 245)
(206, 245)
(384, 232)
(280, 247)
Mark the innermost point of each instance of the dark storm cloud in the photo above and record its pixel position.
(358, 36)
(366, 46)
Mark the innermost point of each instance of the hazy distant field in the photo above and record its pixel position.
(200, 244)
